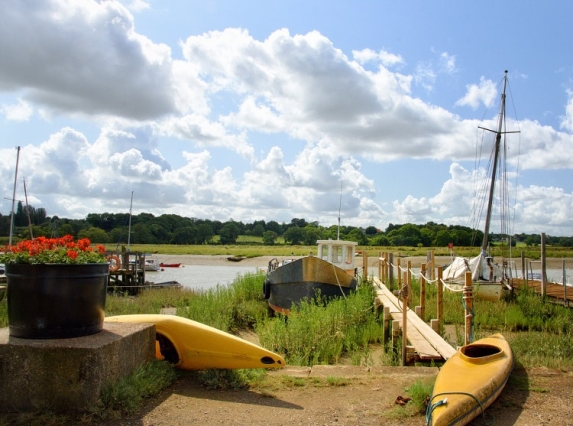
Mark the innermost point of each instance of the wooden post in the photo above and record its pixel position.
(387, 319)
(390, 283)
(430, 259)
(543, 266)
(399, 273)
(364, 264)
(440, 296)
(564, 280)
(405, 323)
(380, 266)
(523, 266)
(468, 302)
(409, 275)
(395, 334)
(422, 291)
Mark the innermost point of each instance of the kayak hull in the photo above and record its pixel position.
(191, 345)
(470, 381)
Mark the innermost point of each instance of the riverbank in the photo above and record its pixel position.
(263, 261)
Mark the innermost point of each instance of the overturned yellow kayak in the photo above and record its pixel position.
(190, 345)
(470, 381)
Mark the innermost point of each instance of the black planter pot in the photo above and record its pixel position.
(56, 301)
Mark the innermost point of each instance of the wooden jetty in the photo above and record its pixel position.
(425, 343)
(130, 276)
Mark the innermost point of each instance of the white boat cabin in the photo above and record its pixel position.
(338, 252)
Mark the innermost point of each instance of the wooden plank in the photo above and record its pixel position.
(423, 348)
(433, 338)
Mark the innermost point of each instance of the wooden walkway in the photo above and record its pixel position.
(556, 293)
(427, 344)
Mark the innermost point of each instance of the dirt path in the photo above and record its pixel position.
(533, 397)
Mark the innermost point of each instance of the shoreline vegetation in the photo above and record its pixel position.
(343, 332)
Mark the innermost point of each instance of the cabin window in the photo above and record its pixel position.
(337, 254)
(348, 255)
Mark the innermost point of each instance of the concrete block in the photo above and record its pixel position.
(64, 375)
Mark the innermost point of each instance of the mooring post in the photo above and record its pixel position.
(440, 296)
(543, 266)
(387, 319)
(468, 303)
(422, 312)
(399, 273)
(523, 267)
(365, 264)
(390, 283)
(409, 275)
(405, 294)
(380, 266)
(564, 281)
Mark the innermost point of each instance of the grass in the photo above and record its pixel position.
(250, 247)
(540, 333)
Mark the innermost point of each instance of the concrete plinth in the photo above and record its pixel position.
(65, 375)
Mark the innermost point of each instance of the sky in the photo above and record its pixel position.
(272, 110)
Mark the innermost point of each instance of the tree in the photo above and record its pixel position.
(371, 231)
(258, 230)
(204, 233)
(358, 236)
(269, 237)
(229, 233)
(274, 226)
(294, 235)
(95, 235)
(186, 235)
(310, 235)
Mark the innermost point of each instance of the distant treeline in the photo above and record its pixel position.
(109, 228)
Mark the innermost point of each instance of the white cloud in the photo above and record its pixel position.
(20, 111)
(476, 95)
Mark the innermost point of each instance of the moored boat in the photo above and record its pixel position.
(191, 345)
(470, 381)
(170, 265)
(330, 274)
(491, 281)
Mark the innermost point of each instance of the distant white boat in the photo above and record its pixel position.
(151, 265)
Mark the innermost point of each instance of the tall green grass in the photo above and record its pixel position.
(317, 334)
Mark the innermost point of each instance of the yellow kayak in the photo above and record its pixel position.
(470, 381)
(190, 345)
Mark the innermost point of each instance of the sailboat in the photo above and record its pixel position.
(490, 280)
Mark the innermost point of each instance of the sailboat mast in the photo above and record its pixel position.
(129, 227)
(495, 164)
(14, 196)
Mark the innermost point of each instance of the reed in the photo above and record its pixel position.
(315, 333)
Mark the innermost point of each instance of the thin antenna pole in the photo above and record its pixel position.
(339, 208)
(129, 227)
(14, 196)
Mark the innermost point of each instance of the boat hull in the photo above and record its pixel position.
(481, 290)
(303, 279)
(190, 345)
(470, 381)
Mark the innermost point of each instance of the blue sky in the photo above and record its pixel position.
(263, 110)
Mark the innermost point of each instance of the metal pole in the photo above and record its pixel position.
(14, 196)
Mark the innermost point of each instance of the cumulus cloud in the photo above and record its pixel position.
(478, 94)
(224, 99)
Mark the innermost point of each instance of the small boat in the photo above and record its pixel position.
(151, 265)
(331, 273)
(191, 345)
(470, 381)
(235, 258)
(491, 281)
(170, 265)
